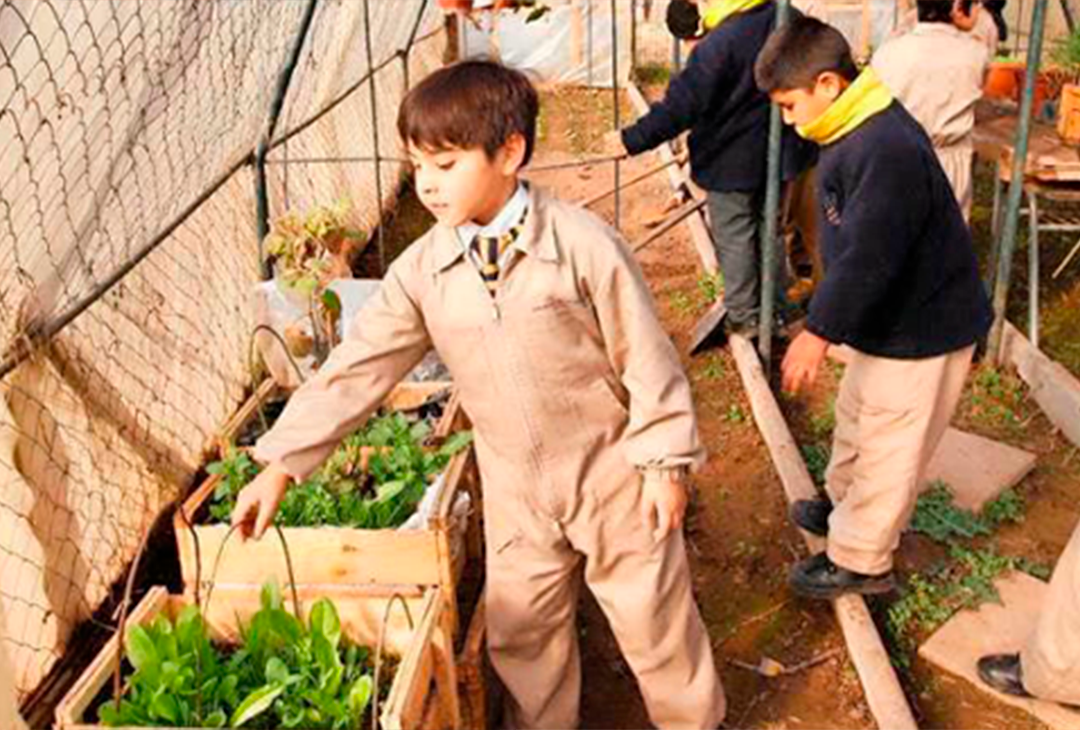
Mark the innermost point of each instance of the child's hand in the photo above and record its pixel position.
(258, 502)
(802, 361)
(663, 501)
(612, 143)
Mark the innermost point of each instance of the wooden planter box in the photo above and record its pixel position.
(337, 560)
(404, 396)
(422, 694)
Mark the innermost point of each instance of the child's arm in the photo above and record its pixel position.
(385, 341)
(688, 94)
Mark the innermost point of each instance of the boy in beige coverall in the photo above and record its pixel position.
(583, 419)
(937, 71)
(1048, 665)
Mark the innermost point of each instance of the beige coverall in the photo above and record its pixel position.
(573, 387)
(1051, 658)
(890, 417)
(937, 72)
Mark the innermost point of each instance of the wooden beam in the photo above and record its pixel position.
(1053, 387)
(883, 692)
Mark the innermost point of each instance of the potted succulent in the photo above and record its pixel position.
(308, 252)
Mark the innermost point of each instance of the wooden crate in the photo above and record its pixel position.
(331, 559)
(422, 693)
(404, 396)
(472, 672)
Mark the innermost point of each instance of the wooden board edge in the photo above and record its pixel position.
(404, 707)
(69, 713)
(1054, 388)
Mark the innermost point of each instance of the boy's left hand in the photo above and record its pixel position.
(802, 361)
(663, 501)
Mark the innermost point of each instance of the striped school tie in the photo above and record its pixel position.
(491, 250)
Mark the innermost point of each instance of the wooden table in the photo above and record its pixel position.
(1052, 173)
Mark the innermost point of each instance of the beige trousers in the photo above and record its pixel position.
(1051, 658)
(890, 416)
(957, 161)
(643, 588)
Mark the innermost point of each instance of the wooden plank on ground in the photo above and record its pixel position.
(977, 469)
(997, 629)
(1054, 388)
(883, 692)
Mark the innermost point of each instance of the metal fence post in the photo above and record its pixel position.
(1007, 244)
(772, 219)
(380, 239)
(281, 90)
(615, 95)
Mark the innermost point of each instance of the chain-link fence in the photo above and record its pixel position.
(128, 248)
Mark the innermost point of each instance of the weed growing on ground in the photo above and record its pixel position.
(710, 286)
(713, 368)
(997, 398)
(938, 517)
(823, 422)
(735, 414)
(653, 74)
(816, 457)
(932, 597)
(681, 302)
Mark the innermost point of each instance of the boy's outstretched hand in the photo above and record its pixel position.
(258, 502)
(802, 361)
(663, 501)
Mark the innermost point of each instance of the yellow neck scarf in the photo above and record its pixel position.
(720, 10)
(866, 97)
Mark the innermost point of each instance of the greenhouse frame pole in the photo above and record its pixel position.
(772, 219)
(1007, 243)
(615, 97)
(281, 91)
(373, 96)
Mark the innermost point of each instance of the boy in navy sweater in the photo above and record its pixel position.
(901, 287)
(715, 97)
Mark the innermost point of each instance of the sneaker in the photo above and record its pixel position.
(812, 515)
(1003, 673)
(819, 577)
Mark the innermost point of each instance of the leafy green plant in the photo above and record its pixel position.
(930, 599)
(735, 414)
(710, 286)
(374, 480)
(816, 457)
(823, 421)
(937, 517)
(1065, 53)
(285, 673)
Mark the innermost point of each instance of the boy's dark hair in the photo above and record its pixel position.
(471, 104)
(936, 11)
(683, 19)
(798, 52)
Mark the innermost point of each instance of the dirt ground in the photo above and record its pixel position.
(740, 540)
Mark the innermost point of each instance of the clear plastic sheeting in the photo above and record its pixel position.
(571, 44)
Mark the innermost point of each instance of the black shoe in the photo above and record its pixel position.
(812, 515)
(819, 577)
(1002, 672)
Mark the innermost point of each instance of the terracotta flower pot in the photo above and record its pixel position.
(458, 6)
(1004, 80)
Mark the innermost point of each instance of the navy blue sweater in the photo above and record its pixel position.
(717, 99)
(901, 279)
